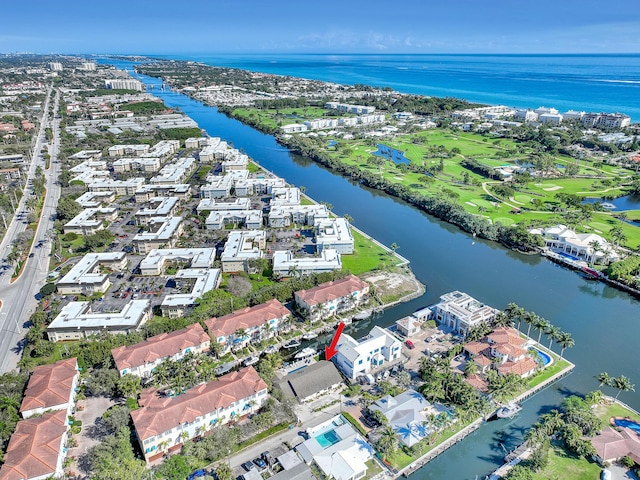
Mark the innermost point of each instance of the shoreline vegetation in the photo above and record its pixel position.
(431, 163)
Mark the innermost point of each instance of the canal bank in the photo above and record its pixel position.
(601, 319)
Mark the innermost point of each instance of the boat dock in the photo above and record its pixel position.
(512, 459)
(433, 453)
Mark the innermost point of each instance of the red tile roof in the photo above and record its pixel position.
(328, 291)
(521, 367)
(507, 349)
(476, 347)
(160, 413)
(249, 317)
(478, 383)
(160, 346)
(50, 385)
(483, 360)
(506, 335)
(611, 444)
(34, 447)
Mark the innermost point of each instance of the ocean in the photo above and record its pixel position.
(600, 83)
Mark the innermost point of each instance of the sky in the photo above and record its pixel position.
(321, 26)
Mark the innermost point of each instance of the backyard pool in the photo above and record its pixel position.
(623, 422)
(546, 358)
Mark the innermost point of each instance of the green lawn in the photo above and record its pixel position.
(373, 468)
(564, 466)
(605, 412)
(367, 256)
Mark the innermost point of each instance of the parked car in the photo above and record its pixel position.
(260, 462)
(247, 466)
(409, 344)
(266, 456)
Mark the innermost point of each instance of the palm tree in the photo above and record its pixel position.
(530, 318)
(553, 333)
(566, 341)
(224, 472)
(513, 311)
(294, 271)
(604, 378)
(542, 326)
(595, 248)
(502, 320)
(617, 235)
(241, 333)
(552, 421)
(387, 441)
(265, 331)
(470, 368)
(623, 384)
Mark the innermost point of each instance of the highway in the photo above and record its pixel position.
(19, 298)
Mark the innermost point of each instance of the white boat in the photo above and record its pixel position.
(508, 411)
(305, 353)
(292, 344)
(271, 349)
(252, 360)
(362, 315)
(309, 335)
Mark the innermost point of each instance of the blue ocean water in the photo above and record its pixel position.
(609, 83)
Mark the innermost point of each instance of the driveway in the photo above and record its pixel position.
(92, 432)
(621, 473)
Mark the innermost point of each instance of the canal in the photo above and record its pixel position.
(604, 322)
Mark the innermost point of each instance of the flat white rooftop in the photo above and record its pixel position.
(78, 315)
(206, 279)
(167, 229)
(199, 257)
(82, 271)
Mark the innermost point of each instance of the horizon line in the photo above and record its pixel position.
(335, 53)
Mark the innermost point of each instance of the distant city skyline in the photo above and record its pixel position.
(287, 26)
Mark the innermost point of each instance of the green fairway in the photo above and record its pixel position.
(440, 153)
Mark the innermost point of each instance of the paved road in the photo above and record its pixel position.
(19, 298)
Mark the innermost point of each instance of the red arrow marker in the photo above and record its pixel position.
(330, 351)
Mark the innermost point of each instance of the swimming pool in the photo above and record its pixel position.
(623, 422)
(546, 358)
(328, 438)
(570, 257)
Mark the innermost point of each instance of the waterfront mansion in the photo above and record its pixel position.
(461, 312)
(589, 247)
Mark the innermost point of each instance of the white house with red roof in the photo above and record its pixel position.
(257, 322)
(140, 359)
(330, 298)
(51, 387)
(36, 449)
(505, 349)
(164, 423)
